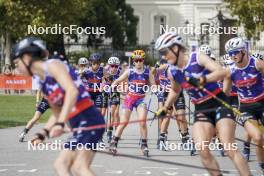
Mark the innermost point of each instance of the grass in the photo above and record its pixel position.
(16, 110)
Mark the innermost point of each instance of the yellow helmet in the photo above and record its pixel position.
(138, 54)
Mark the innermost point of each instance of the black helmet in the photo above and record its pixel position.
(31, 45)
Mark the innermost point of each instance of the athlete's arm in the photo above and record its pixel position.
(121, 78)
(216, 69)
(260, 66)
(227, 85)
(160, 68)
(59, 72)
(174, 92)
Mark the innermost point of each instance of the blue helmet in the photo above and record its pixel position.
(95, 57)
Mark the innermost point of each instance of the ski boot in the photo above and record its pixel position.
(23, 135)
(246, 152)
(163, 143)
(185, 137)
(144, 147)
(193, 150)
(113, 145)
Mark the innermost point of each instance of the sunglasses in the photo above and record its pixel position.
(233, 53)
(114, 66)
(164, 52)
(138, 60)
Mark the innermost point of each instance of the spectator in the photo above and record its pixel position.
(7, 71)
(17, 73)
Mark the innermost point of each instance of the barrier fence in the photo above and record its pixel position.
(17, 83)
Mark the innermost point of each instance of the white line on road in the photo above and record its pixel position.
(170, 173)
(94, 165)
(142, 172)
(32, 170)
(113, 172)
(169, 168)
(3, 170)
(10, 165)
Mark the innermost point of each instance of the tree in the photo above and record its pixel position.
(250, 14)
(118, 19)
(18, 14)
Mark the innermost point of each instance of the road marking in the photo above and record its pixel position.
(142, 172)
(169, 168)
(10, 165)
(113, 172)
(94, 165)
(32, 170)
(3, 170)
(170, 173)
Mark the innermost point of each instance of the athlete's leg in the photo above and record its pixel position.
(123, 122)
(63, 163)
(82, 163)
(246, 149)
(116, 114)
(256, 136)
(202, 134)
(35, 118)
(142, 115)
(226, 131)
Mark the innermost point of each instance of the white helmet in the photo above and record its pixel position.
(205, 49)
(258, 56)
(83, 61)
(113, 61)
(168, 39)
(227, 60)
(235, 44)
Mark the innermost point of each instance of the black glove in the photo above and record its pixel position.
(197, 82)
(161, 112)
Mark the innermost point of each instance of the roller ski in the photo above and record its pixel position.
(144, 147)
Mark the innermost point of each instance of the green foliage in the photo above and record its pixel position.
(250, 14)
(116, 16)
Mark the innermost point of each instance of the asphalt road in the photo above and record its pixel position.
(18, 160)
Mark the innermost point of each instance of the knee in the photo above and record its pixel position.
(205, 154)
(257, 139)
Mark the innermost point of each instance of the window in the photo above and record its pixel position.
(159, 20)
